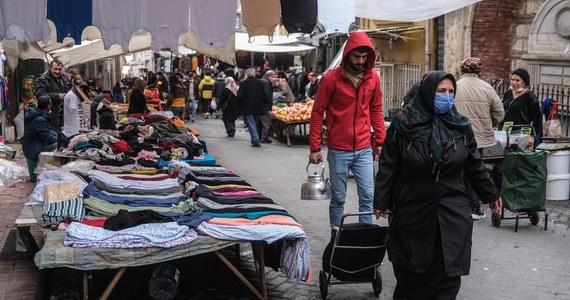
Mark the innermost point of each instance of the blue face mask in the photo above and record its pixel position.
(443, 103)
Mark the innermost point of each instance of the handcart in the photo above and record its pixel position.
(523, 185)
(354, 255)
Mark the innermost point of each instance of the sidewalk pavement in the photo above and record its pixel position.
(530, 264)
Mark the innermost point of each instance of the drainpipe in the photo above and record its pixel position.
(428, 38)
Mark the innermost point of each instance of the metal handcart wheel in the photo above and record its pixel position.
(323, 284)
(534, 218)
(377, 282)
(496, 219)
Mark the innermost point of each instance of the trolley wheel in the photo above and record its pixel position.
(377, 283)
(323, 284)
(496, 219)
(533, 216)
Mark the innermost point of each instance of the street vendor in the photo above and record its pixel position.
(39, 135)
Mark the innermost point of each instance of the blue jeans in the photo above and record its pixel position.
(360, 162)
(251, 121)
(191, 108)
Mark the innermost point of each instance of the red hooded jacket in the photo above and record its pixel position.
(350, 111)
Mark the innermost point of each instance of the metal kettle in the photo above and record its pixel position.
(316, 187)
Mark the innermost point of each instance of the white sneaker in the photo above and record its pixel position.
(477, 215)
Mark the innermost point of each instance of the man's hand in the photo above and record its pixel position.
(497, 205)
(316, 158)
(378, 152)
(378, 213)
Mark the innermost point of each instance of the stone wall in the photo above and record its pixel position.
(526, 12)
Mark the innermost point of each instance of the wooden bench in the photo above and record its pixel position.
(23, 223)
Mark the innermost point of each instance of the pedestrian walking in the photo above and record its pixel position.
(478, 101)
(206, 89)
(252, 100)
(228, 106)
(265, 118)
(351, 96)
(177, 95)
(429, 146)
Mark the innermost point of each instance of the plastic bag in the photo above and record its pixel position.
(81, 166)
(11, 173)
(213, 104)
(552, 128)
(19, 123)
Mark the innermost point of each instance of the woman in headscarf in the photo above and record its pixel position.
(228, 105)
(428, 148)
(137, 100)
(521, 105)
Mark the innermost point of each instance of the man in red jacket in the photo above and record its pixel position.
(352, 99)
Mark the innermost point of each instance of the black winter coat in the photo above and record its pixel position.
(420, 204)
(228, 104)
(48, 85)
(252, 98)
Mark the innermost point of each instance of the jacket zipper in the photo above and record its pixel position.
(356, 110)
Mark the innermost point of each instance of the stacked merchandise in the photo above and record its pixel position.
(115, 202)
(140, 145)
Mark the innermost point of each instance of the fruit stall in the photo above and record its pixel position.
(286, 118)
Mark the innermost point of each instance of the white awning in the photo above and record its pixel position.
(280, 44)
(407, 10)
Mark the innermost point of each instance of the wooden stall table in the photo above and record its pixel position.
(281, 127)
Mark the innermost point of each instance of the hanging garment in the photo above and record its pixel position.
(213, 21)
(166, 28)
(34, 27)
(260, 17)
(70, 17)
(117, 20)
(299, 16)
(3, 94)
(335, 19)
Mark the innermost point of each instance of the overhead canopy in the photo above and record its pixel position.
(281, 44)
(407, 10)
(402, 10)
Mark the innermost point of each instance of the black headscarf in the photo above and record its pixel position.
(418, 122)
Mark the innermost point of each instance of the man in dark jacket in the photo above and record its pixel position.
(265, 118)
(351, 97)
(193, 93)
(292, 82)
(252, 100)
(54, 85)
(39, 136)
(219, 86)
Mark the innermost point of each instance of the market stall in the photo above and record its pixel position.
(146, 171)
(284, 119)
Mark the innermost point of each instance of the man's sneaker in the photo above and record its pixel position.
(477, 214)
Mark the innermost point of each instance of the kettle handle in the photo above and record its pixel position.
(322, 172)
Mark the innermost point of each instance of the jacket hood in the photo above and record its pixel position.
(359, 39)
(208, 79)
(32, 113)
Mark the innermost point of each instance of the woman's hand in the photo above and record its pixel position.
(496, 206)
(378, 213)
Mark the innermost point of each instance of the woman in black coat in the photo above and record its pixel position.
(137, 100)
(428, 148)
(228, 105)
